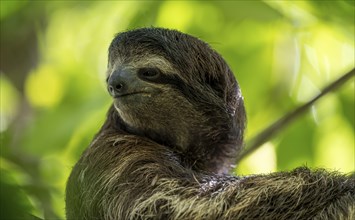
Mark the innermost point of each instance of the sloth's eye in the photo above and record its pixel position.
(149, 73)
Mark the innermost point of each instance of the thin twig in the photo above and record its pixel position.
(274, 128)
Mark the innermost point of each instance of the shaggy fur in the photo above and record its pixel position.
(164, 153)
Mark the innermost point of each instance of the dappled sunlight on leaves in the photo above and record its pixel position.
(170, 14)
(45, 87)
(262, 160)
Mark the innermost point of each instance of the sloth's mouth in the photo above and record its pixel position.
(131, 93)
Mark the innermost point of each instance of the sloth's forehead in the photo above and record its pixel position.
(142, 61)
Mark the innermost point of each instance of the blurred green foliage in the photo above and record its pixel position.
(53, 97)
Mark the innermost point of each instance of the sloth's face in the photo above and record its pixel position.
(143, 87)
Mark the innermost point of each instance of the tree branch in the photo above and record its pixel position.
(274, 128)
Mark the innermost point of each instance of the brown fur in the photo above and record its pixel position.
(166, 154)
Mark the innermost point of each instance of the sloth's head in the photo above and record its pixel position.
(174, 89)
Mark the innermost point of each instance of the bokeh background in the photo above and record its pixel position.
(53, 96)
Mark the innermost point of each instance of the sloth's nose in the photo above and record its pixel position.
(118, 82)
(115, 86)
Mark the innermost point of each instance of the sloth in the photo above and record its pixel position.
(171, 138)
